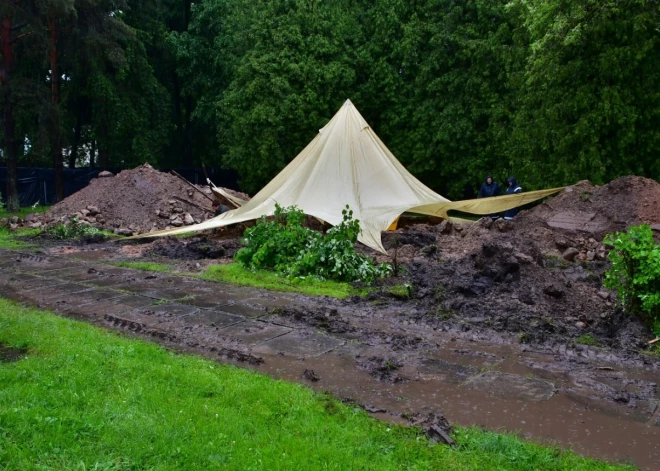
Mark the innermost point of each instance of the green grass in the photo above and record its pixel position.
(402, 291)
(84, 398)
(24, 211)
(586, 339)
(13, 240)
(145, 266)
(235, 273)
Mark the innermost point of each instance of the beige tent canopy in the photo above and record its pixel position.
(346, 163)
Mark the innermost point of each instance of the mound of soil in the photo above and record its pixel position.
(587, 211)
(134, 201)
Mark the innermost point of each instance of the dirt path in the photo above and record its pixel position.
(583, 397)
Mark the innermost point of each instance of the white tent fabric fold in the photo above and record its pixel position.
(347, 164)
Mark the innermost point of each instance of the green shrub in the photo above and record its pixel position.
(635, 273)
(283, 245)
(73, 230)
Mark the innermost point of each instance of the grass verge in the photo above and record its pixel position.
(13, 240)
(145, 266)
(84, 398)
(235, 273)
(24, 211)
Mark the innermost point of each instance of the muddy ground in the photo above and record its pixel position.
(485, 323)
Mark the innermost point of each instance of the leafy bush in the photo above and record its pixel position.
(282, 244)
(73, 230)
(635, 273)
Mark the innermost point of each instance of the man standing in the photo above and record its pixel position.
(490, 188)
(512, 189)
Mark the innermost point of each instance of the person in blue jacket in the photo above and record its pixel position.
(512, 189)
(490, 188)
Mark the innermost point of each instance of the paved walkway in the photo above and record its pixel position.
(471, 383)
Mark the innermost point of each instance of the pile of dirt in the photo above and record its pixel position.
(571, 225)
(133, 202)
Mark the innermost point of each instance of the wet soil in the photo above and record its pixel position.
(482, 323)
(388, 353)
(137, 200)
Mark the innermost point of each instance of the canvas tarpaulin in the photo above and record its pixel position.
(347, 164)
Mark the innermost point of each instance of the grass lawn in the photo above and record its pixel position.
(145, 266)
(24, 211)
(83, 398)
(12, 240)
(235, 273)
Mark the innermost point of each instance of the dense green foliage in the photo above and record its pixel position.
(83, 398)
(551, 92)
(284, 245)
(635, 273)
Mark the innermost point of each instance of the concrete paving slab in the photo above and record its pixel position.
(268, 303)
(586, 222)
(171, 310)
(305, 344)
(144, 318)
(170, 294)
(240, 309)
(97, 311)
(208, 300)
(135, 301)
(511, 386)
(21, 277)
(142, 287)
(212, 318)
(61, 272)
(254, 332)
(106, 281)
(46, 284)
(81, 275)
(94, 295)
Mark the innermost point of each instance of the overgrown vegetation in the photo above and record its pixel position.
(282, 244)
(73, 230)
(635, 273)
(237, 274)
(83, 398)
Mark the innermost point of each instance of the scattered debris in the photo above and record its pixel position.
(435, 426)
(309, 375)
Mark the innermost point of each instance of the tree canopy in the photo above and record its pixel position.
(551, 92)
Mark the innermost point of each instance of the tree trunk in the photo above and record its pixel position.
(57, 133)
(187, 143)
(73, 156)
(11, 151)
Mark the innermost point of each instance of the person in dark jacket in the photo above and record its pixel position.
(490, 188)
(512, 189)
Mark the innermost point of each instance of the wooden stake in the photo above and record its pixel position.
(194, 187)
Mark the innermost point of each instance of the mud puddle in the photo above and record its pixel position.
(384, 356)
(468, 392)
